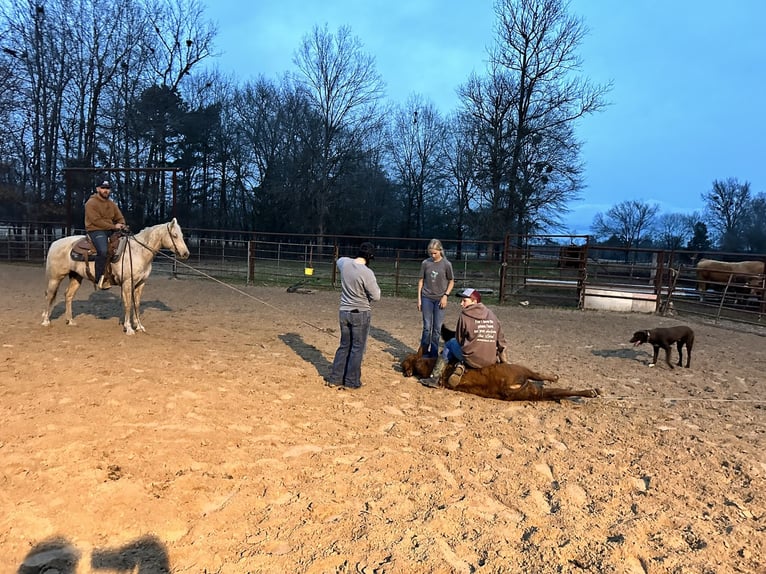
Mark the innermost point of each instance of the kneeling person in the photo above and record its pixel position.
(479, 341)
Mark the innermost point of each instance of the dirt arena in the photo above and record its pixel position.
(210, 444)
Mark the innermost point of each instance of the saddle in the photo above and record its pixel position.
(84, 250)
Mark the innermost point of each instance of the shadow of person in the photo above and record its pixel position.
(146, 555)
(51, 555)
(393, 345)
(307, 352)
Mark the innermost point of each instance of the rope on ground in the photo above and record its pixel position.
(233, 288)
(680, 399)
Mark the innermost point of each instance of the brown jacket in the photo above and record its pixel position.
(101, 214)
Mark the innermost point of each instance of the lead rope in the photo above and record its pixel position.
(236, 289)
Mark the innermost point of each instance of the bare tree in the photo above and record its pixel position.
(726, 206)
(182, 39)
(489, 102)
(344, 88)
(414, 143)
(536, 43)
(628, 221)
(754, 224)
(462, 158)
(673, 230)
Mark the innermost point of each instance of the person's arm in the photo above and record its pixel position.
(420, 291)
(445, 296)
(372, 288)
(119, 218)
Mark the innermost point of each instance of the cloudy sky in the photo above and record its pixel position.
(687, 106)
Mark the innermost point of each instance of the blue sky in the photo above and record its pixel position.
(687, 106)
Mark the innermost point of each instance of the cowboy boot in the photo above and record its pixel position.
(457, 374)
(436, 374)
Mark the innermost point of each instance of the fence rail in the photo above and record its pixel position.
(561, 271)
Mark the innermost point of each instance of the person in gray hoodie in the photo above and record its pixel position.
(479, 341)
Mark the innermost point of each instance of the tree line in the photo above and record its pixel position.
(131, 86)
(733, 220)
(129, 90)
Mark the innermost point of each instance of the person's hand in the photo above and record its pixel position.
(503, 356)
(119, 226)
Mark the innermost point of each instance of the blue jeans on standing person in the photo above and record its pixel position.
(347, 365)
(100, 240)
(433, 317)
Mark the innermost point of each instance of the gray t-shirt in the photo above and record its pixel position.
(436, 277)
(358, 285)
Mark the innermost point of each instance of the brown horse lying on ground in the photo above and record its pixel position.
(503, 381)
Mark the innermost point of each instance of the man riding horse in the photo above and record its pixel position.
(102, 218)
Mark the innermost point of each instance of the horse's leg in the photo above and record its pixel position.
(535, 376)
(535, 392)
(50, 296)
(137, 292)
(74, 284)
(127, 303)
(555, 394)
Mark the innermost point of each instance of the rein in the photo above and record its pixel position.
(129, 253)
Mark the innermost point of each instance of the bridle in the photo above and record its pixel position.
(156, 251)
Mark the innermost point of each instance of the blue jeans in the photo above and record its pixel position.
(452, 350)
(100, 240)
(347, 365)
(433, 317)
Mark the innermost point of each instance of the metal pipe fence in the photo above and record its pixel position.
(559, 271)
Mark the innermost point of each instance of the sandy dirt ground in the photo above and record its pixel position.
(210, 444)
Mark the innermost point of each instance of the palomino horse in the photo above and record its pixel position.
(130, 271)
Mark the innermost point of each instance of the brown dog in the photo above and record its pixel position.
(664, 337)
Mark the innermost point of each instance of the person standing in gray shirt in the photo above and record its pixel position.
(434, 286)
(359, 288)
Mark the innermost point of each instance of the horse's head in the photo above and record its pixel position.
(174, 240)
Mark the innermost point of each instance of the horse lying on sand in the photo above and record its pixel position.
(503, 381)
(130, 270)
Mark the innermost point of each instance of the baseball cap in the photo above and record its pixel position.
(472, 294)
(105, 184)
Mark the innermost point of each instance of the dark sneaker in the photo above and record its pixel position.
(430, 382)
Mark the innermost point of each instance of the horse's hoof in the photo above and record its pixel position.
(46, 323)
(71, 322)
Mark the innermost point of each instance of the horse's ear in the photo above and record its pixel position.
(174, 222)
